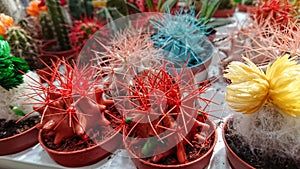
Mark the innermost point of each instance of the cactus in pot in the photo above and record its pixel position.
(266, 124)
(77, 114)
(17, 130)
(164, 121)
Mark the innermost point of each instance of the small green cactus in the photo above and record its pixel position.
(60, 24)
(22, 45)
(47, 26)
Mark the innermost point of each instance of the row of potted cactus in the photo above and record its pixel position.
(140, 87)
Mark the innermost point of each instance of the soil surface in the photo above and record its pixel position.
(11, 128)
(192, 153)
(96, 136)
(256, 158)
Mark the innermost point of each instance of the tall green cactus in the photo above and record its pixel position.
(60, 24)
(46, 25)
(81, 8)
(22, 45)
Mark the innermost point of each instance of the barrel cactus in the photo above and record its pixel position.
(22, 45)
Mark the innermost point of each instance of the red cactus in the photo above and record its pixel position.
(277, 12)
(72, 102)
(162, 106)
(82, 30)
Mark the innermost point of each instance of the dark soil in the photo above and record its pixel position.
(276, 160)
(192, 153)
(11, 128)
(96, 136)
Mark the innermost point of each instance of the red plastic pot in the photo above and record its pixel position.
(45, 50)
(224, 13)
(199, 163)
(86, 156)
(19, 142)
(235, 161)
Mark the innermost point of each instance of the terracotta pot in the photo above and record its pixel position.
(234, 161)
(19, 142)
(199, 163)
(44, 49)
(224, 13)
(86, 156)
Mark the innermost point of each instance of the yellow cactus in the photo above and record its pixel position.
(251, 88)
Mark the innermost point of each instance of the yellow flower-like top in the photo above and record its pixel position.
(5, 22)
(251, 88)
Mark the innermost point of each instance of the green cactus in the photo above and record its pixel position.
(22, 45)
(81, 8)
(60, 24)
(47, 26)
(11, 67)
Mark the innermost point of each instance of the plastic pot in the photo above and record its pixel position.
(19, 142)
(235, 161)
(45, 49)
(199, 163)
(85, 156)
(224, 13)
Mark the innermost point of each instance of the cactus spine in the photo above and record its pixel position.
(60, 24)
(22, 45)
(47, 26)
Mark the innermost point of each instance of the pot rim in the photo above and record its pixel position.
(178, 165)
(227, 146)
(22, 133)
(54, 41)
(76, 151)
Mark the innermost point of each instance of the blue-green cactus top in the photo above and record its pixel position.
(182, 38)
(11, 67)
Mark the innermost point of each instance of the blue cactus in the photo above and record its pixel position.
(182, 38)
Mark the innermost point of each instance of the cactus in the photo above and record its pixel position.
(60, 24)
(47, 26)
(182, 38)
(82, 31)
(22, 45)
(10, 77)
(81, 8)
(161, 121)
